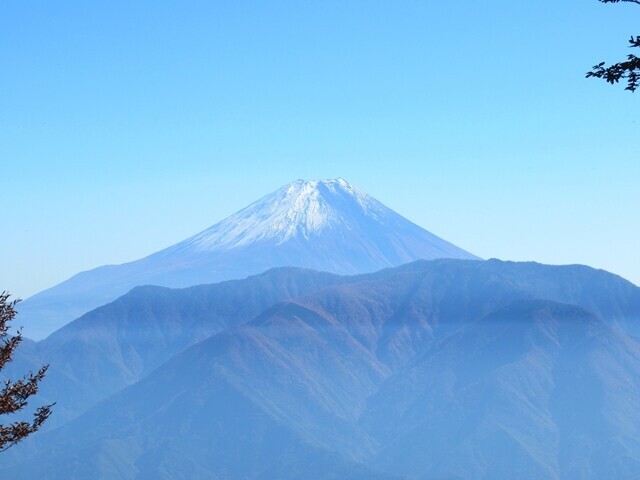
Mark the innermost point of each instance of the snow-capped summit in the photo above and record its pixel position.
(326, 225)
(301, 209)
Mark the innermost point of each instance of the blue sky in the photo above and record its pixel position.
(128, 126)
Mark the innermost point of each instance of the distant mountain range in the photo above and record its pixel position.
(448, 367)
(443, 369)
(327, 225)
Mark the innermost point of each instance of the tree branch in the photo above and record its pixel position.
(14, 394)
(618, 1)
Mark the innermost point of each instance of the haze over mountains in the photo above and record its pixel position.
(448, 367)
(327, 225)
(435, 369)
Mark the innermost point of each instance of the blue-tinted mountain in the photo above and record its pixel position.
(440, 369)
(119, 343)
(536, 390)
(326, 225)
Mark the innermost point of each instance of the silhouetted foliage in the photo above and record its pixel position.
(14, 394)
(629, 69)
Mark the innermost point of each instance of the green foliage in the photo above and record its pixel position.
(14, 394)
(628, 70)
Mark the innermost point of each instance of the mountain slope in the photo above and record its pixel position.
(230, 418)
(395, 312)
(119, 343)
(326, 225)
(536, 390)
(440, 369)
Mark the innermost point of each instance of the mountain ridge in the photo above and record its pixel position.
(433, 369)
(105, 350)
(326, 225)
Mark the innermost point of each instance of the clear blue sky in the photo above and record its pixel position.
(128, 126)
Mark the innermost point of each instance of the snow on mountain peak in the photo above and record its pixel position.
(326, 225)
(302, 208)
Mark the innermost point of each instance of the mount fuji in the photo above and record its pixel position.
(326, 225)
